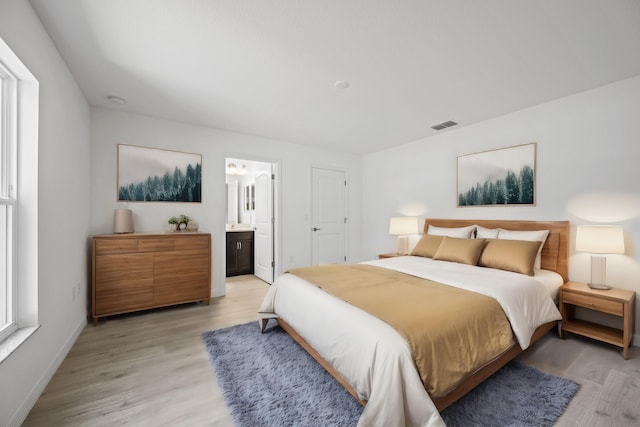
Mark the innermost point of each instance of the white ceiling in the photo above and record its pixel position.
(268, 68)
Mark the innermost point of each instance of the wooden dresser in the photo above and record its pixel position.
(138, 271)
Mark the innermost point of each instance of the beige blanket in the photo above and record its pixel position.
(451, 332)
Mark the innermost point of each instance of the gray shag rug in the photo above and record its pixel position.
(267, 379)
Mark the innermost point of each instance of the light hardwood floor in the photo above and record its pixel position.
(151, 369)
(147, 369)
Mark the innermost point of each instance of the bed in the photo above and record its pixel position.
(375, 363)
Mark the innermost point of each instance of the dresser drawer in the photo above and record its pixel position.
(192, 242)
(156, 245)
(115, 246)
(600, 304)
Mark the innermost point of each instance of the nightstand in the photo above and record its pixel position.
(617, 302)
(382, 256)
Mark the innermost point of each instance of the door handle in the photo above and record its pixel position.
(315, 229)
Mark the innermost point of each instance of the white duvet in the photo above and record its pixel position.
(373, 357)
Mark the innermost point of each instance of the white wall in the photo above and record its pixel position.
(588, 149)
(63, 210)
(110, 128)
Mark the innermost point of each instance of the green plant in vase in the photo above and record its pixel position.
(178, 223)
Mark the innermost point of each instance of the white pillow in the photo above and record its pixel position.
(533, 236)
(486, 233)
(459, 232)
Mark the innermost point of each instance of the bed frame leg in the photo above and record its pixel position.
(263, 324)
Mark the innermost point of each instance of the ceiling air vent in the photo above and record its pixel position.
(444, 125)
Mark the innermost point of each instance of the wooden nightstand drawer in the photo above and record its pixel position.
(594, 303)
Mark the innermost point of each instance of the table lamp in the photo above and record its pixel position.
(599, 239)
(403, 227)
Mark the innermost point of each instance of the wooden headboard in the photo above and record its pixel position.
(555, 252)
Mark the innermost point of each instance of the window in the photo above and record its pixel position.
(19, 105)
(8, 203)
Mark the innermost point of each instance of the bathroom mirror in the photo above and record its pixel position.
(232, 202)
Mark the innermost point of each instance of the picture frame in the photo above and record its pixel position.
(146, 174)
(500, 177)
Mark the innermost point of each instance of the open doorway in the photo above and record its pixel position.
(250, 225)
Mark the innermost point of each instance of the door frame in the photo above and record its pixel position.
(276, 165)
(347, 227)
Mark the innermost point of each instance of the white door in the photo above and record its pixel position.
(263, 236)
(329, 220)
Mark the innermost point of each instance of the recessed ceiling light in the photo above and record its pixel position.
(341, 84)
(116, 100)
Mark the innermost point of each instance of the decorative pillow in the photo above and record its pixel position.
(486, 233)
(465, 251)
(539, 236)
(461, 232)
(427, 246)
(511, 255)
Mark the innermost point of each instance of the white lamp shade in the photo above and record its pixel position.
(122, 221)
(403, 225)
(600, 239)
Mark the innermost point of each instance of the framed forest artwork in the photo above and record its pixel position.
(501, 177)
(156, 175)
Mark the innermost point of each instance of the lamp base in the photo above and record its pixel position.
(403, 245)
(601, 287)
(599, 273)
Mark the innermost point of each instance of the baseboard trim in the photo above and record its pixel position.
(29, 402)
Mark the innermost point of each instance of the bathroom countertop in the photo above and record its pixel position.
(234, 228)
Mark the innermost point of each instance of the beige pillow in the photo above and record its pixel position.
(427, 246)
(511, 255)
(538, 235)
(465, 251)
